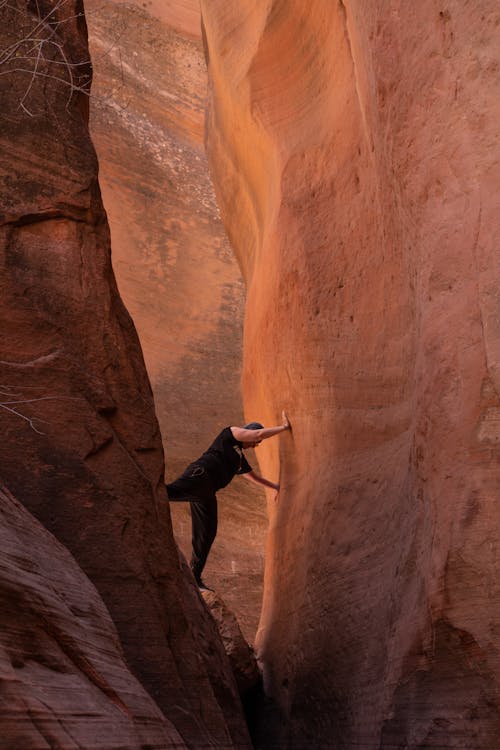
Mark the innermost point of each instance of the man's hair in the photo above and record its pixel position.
(254, 426)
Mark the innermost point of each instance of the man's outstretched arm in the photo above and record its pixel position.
(255, 436)
(256, 479)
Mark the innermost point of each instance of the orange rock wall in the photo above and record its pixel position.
(354, 148)
(80, 444)
(174, 266)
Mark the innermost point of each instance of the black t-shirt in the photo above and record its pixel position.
(223, 459)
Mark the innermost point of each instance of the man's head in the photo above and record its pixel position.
(253, 426)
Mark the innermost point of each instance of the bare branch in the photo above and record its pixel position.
(15, 398)
(46, 75)
(49, 51)
(12, 396)
(23, 416)
(35, 70)
(43, 398)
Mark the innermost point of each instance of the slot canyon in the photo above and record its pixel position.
(300, 201)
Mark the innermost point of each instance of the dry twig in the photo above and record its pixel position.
(9, 392)
(40, 53)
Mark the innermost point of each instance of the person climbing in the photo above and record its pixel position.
(201, 480)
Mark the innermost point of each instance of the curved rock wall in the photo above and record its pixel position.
(80, 442)
(175, 269)
(64, 680)
(354, 148)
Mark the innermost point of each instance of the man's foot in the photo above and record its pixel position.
(202, 585)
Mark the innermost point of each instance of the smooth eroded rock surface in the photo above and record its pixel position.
(354, 148)
(64, 682)
(80, 442)
(175, 269)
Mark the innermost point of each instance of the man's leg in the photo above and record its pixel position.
(204, 530)
(193, 483)
(180, 491)
(195, 487)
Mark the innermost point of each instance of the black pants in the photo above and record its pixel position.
(195, 488)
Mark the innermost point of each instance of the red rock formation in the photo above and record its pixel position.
(259, 710)
(175, 269)
(240, 654)
(63, 677)
(354, 147)
(81, 445)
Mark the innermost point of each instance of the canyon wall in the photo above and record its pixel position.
(354, 148)
(174, 267)
(64, 680)
(81, 447)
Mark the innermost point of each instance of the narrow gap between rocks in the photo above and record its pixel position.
(175, 269)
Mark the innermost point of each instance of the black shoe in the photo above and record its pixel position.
(202, 585)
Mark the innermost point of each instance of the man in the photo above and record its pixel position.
(212, 471)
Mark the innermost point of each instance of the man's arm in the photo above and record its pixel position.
(255, 436)
(256, 479)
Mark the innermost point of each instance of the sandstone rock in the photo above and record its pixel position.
(175, 269)
(63, 678)
(80, 442)
(241, 655)
(354, 147)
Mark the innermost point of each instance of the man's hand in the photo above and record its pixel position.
(284, 420)
(251, 476)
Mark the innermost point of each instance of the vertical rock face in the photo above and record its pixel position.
(175, 269)
(80, 442)
(354, 146)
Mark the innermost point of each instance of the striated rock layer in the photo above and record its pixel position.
(64, 681)
(81, 446)
(174, 267)
(354, 146)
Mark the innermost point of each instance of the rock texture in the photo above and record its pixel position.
(260, 712)
(63, 678)
(354, 147)
(80, 443)
(175, 269)
(240, 654)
